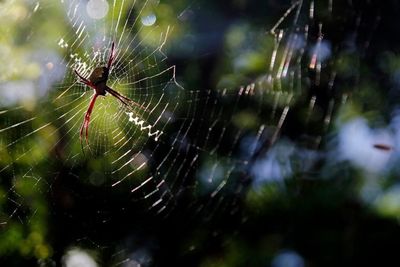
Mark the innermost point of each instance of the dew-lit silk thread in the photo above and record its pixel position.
(137, 121)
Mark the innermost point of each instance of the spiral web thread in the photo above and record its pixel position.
(177, 141)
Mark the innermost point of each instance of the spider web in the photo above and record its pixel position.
(178, 143)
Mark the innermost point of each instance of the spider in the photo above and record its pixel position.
(98, 82)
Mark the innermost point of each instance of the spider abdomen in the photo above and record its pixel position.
(99, 75)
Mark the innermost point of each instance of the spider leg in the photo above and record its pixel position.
(86, 121)
(126, 101)
(84, 80)
(111, 57)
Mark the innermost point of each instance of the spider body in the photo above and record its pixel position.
(98, 82)
(99, 79)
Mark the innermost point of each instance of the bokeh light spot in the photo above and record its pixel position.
(149, 20)
(97, 9)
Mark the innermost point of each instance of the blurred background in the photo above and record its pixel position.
(282, 148)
